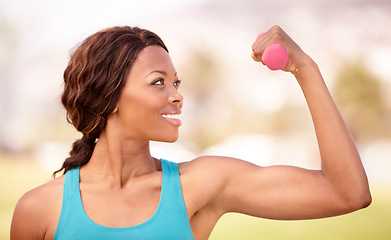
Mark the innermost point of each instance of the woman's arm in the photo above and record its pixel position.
(286, 192)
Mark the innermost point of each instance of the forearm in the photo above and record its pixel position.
(341, 163)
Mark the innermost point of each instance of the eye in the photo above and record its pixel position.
(159, 81)
(177, 83)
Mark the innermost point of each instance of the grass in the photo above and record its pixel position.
(18, 175)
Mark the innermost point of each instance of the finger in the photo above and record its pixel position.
(260, 35)
(258, 48)
(257, 51)
(255, 57)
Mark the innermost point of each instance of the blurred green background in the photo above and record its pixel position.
(19, 174)
(233, 106)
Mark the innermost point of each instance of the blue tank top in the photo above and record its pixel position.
(170, 220)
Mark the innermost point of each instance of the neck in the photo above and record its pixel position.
(118, 160)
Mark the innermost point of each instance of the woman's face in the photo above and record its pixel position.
(150, 104)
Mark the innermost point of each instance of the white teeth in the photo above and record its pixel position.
(172, 116)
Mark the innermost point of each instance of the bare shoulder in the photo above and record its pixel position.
(43, 194)
(203, 170)
(216, 165)
(204, 181)
(208, 176)
(37, 210)
(215, 173)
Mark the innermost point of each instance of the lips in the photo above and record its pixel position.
(173, 118)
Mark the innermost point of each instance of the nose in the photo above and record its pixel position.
(175, 97)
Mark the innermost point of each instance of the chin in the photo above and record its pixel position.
(172, 140)
(167, 139)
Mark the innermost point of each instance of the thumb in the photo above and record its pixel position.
(255, 57)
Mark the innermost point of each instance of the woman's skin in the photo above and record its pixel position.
(120, 185)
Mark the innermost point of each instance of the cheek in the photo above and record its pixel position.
(142, 110)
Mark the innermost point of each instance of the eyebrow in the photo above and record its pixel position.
(159, 71)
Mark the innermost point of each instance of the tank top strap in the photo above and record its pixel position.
(173, 205)
(70, 200)
(171, 185)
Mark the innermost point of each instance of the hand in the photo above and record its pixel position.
(276, 35)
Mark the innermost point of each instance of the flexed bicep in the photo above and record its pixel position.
(280, 192)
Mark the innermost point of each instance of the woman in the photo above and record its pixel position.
(122, 88)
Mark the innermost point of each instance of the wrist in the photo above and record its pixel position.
(306, 69)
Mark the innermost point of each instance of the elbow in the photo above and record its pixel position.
(358, 201)
(366, 200)
(365, 197)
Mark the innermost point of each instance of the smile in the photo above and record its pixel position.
(173, 119)
(171, 116)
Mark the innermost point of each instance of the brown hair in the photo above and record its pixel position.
(93, 81)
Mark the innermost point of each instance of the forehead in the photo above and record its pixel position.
(152, 58)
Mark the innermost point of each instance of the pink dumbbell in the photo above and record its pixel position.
(275, 57)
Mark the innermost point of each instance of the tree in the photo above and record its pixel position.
(360, 97)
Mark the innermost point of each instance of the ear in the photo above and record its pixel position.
(115, 109)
